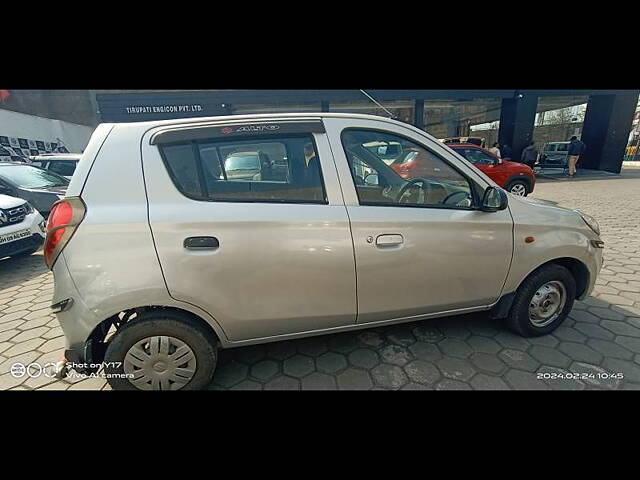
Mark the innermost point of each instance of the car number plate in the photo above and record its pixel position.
(12, 237)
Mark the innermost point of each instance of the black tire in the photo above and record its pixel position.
(522, 183)
(162, 323)
(518, 319)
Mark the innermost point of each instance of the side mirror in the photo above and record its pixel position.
(494, 199)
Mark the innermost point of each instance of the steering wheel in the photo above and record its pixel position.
(456, 198)
(426, 188)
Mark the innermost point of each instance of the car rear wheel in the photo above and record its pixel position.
(161, 351)
(518, 187)
(543, 301)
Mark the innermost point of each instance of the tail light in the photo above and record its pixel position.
(64, 218)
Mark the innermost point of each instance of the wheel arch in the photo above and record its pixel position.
(96, 345)
(578, 270)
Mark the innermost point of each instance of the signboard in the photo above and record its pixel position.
(158, 106)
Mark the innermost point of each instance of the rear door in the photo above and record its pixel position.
(265, 256)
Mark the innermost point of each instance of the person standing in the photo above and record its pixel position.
(505, 152)
(576, 148)
(529, 155)
(495, 150)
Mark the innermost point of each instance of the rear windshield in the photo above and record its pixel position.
(27, 176)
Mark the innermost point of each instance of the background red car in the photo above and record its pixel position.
(514, 177)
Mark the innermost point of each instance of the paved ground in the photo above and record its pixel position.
(602, 335)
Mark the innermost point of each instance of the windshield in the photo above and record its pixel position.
(26, 176)
(242, 163)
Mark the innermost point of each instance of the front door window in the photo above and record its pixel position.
(414, 177)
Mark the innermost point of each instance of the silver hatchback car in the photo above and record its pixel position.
(187, 259)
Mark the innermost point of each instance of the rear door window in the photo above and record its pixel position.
(273, 169)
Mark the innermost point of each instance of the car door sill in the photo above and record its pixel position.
(355, 326)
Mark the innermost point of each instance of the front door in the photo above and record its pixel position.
(250, 225)
(421, 246)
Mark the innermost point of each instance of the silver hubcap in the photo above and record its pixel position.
(519, 189)
(160, 363)
(547, 303)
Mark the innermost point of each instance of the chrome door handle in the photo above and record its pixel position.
(389, 240)
(201, 243)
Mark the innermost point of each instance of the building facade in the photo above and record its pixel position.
(605, 126)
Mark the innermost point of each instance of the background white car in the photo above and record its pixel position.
(22, 228)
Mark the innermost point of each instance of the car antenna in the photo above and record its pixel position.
(391, 115)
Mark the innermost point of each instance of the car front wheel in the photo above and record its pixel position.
(161, 351)
(518, 187)
(543, 301)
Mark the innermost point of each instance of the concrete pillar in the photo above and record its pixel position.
(517, 117)
(418, 116)
(606, 128)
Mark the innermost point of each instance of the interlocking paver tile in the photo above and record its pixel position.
(401, 336)
(488, 382)
(455, 348)
(456, 369)
(630, 343)
(29, 334)
(580, 352)
(426, 351)
(524, 380)
(24, 347)
(449, 384)
(621, 328)
(247, 385)
(283, 383)
(396, 355)
(331, 362)
(364, 358)
(389, 376)
(298, 366)
(519, 359)
(319, 381)
(264, 370)
(354, 379)
(53, 344)
(422, 372)
(609, 349)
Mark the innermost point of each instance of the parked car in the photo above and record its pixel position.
(242, 165)
(61, 164)
(21, 227)
(479, 141)
(154, 281)
(555, 154)
(516, 178)
(41, 188)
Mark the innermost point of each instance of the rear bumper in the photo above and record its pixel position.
(77, 321)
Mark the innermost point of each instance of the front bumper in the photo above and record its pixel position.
(594, 265)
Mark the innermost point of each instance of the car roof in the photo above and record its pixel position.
(224, 119)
